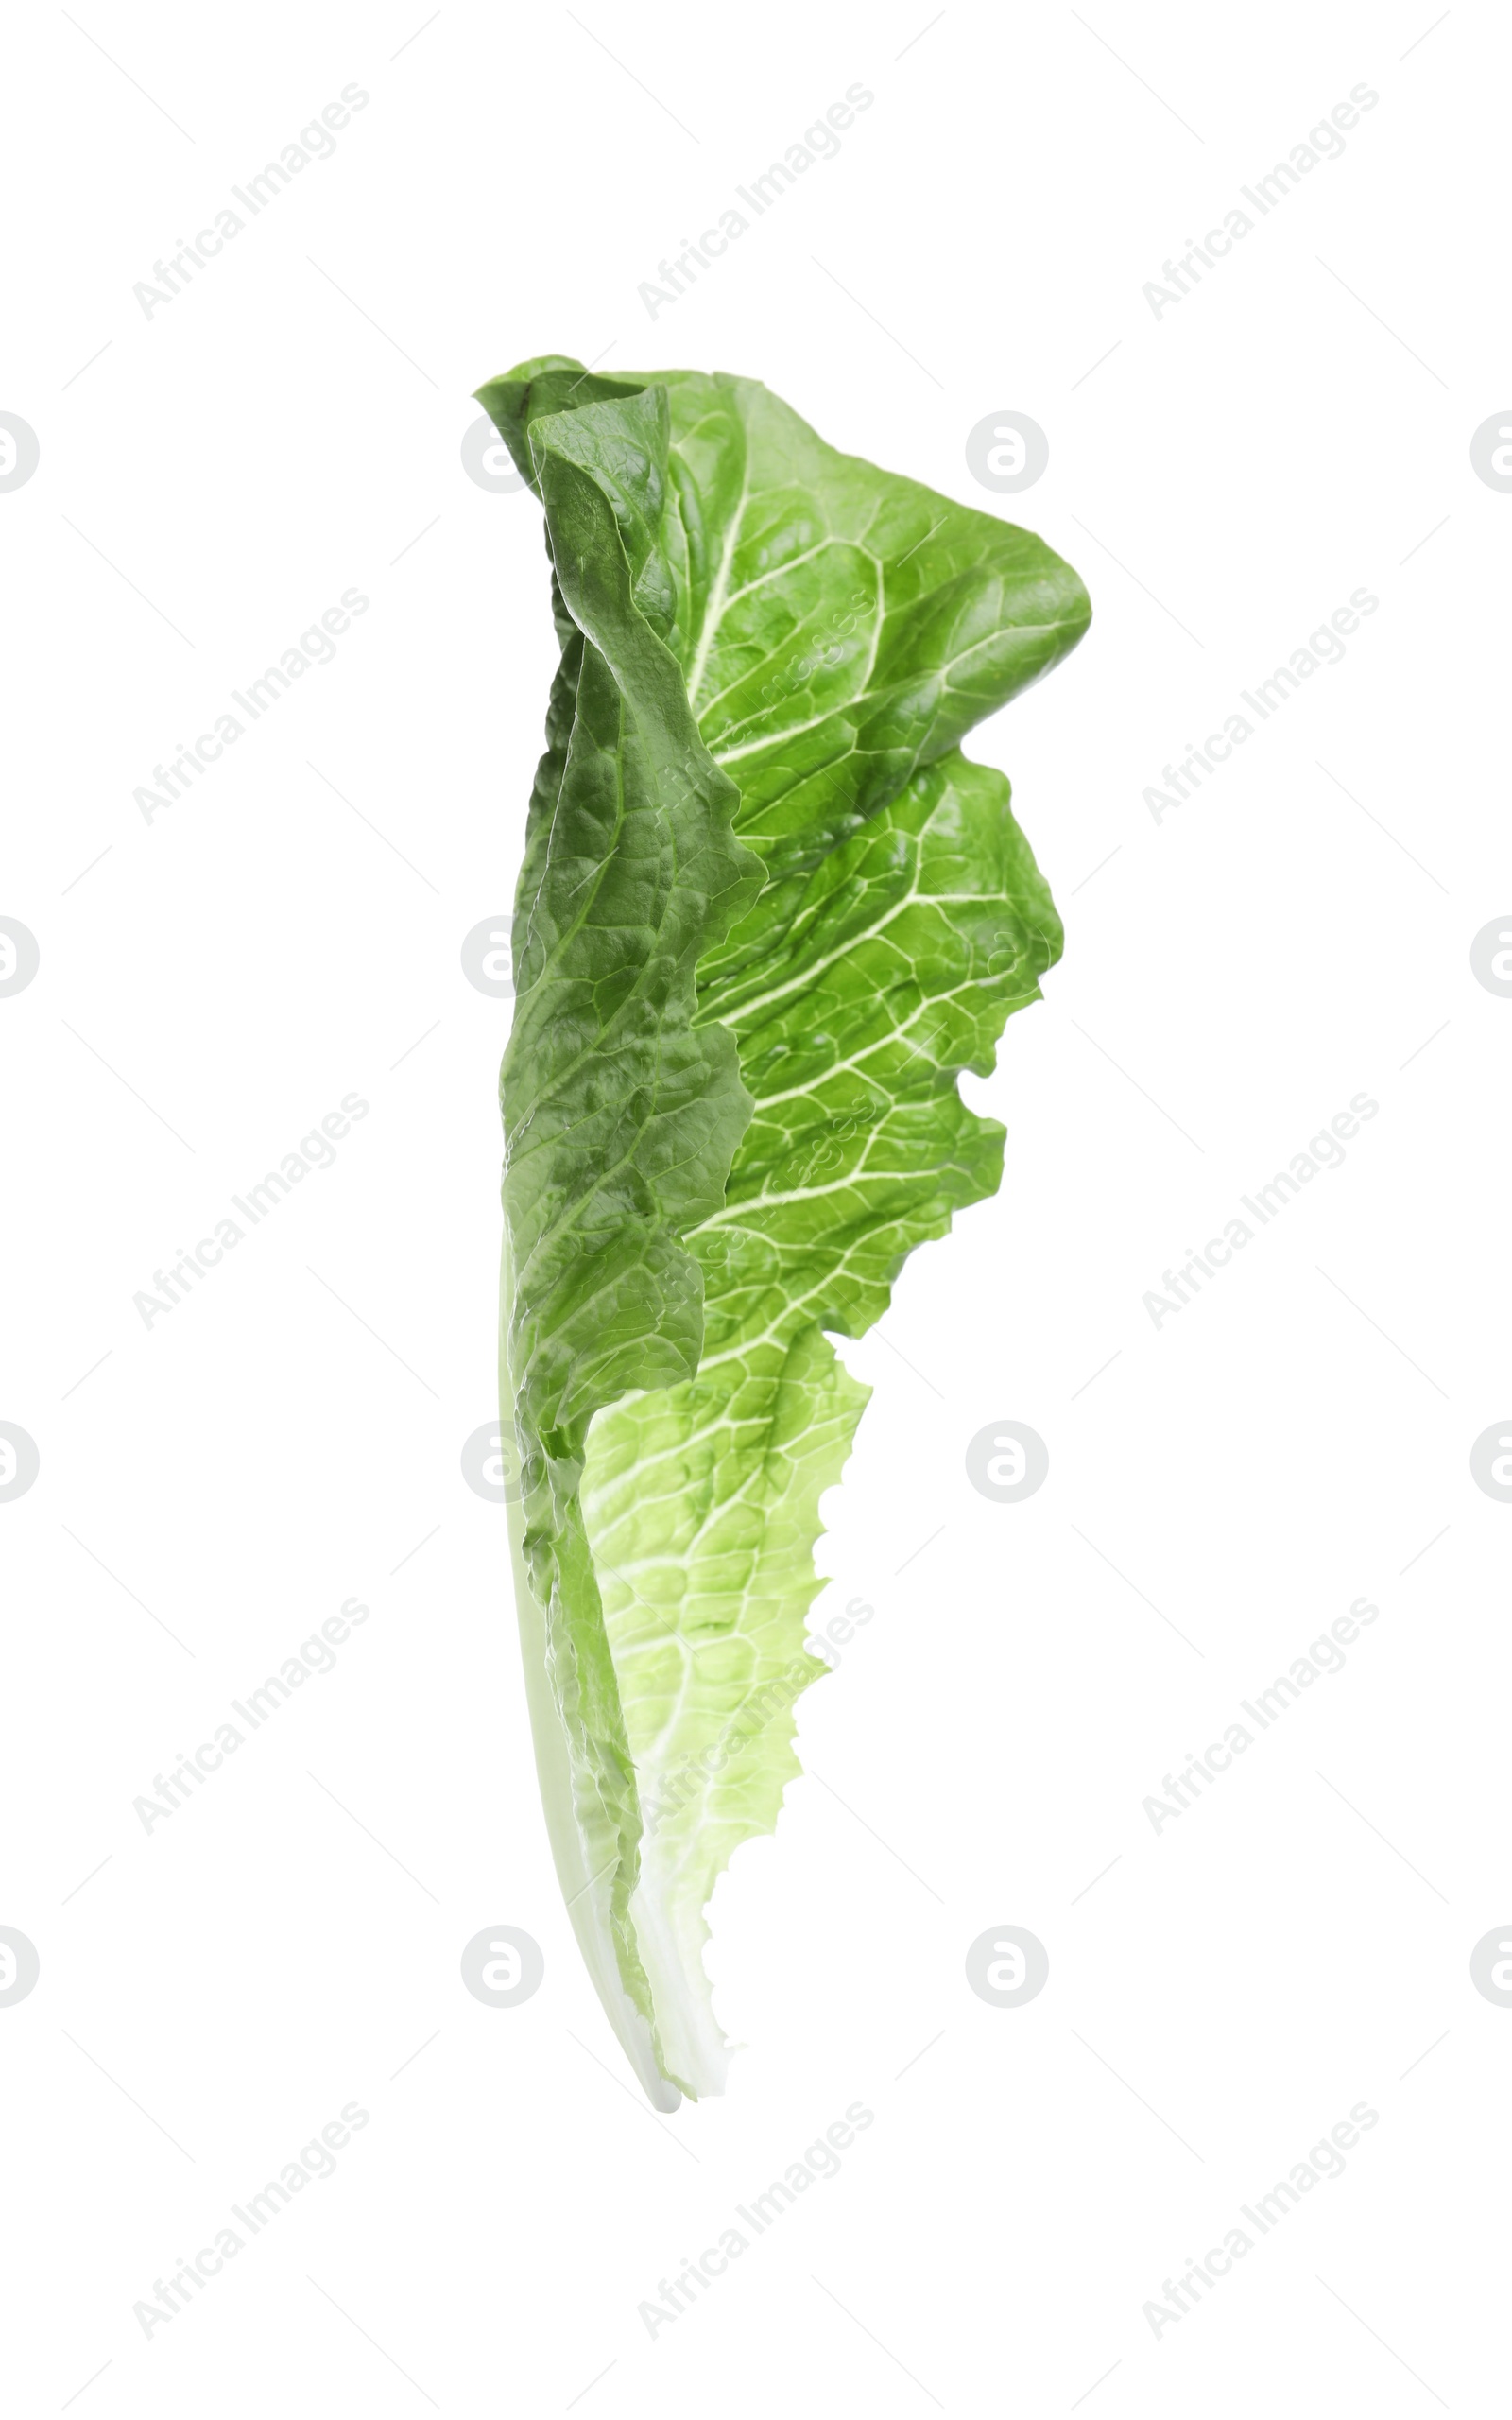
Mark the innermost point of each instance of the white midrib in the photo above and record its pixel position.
(588, 1893)
(714, 613)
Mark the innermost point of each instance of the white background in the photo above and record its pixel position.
(213, 982)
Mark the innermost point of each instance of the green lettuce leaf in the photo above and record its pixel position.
(768, 913)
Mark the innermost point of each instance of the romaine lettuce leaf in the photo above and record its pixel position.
(768, 913)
